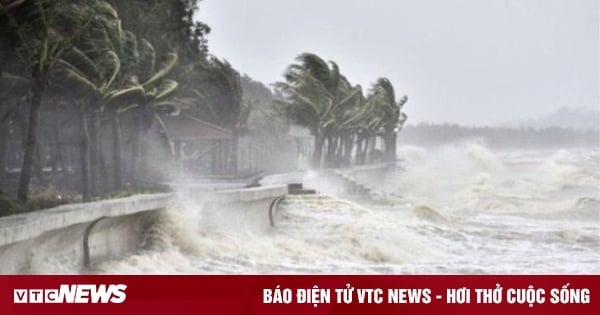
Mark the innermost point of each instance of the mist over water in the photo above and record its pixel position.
(458, 208)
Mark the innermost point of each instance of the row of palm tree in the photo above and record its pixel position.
(76, 59)
(344, 122)
(77, 53)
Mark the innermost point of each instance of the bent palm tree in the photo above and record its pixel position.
(120, 74)
(45, 30)
(90, 70)
(312, 91)
(383, 96)
(220, 99)
(146, 94)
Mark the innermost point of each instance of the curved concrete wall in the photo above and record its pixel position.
(51, 250)
(64, 250)
(114, 237)
(26, 226)
(69, 238)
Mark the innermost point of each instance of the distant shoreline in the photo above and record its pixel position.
(500, 137)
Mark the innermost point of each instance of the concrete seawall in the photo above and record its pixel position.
(79, 235)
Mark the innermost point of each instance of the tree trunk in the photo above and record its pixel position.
(386, 146)
(371, 149)
(55, 149)
(394, 143)
(390, 146)
(358, 140)
(4, 49)
(340, 154)
(135, 152)
(333, 140)
(86, 184)
(143, 173)
(116, 133)
(31, 138)
(365, 149)
(38, 165)
(3, 145)
(94, 150)
(326, 146)
(318, 151)
(330, 151)
(144, 128)
(348, 147)
(103, 170)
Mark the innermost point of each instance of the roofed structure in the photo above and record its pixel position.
(188, 128)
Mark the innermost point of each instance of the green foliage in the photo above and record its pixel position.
(383, 98)
(149, 58)
(218, 94)
(47, 198)
(131, 192)
(168, 25)
(8, 205)
(318, 96)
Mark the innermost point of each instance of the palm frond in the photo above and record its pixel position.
(129, 54)
(164, 134)
(77, 59)
(169, 62)
(134, 94)
(111, 65)
(147, 61)
(166, 88)
(76, 82)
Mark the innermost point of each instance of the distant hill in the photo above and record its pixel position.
(568, 118)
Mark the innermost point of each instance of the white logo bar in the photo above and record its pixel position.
(73, 294)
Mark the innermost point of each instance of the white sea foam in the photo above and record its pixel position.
(461, 209)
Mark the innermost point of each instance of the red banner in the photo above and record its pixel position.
(299, 295)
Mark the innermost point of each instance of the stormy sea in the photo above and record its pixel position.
(460, 208)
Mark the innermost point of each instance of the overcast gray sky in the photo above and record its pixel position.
(466, 61)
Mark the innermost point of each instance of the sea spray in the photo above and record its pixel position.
(491, 212)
